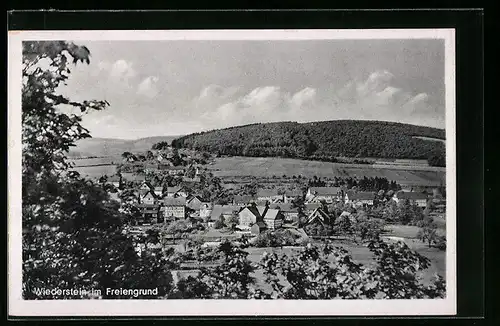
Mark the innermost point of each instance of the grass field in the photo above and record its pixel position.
(268, 167)
(96, 171)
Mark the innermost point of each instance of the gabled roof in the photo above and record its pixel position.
(362, 195)
(325, 191)
(193, 198)
(169, 201)
(293, 193)
(267, 193)
(312, 206)
(217, 210)
(318, 214)
(146, 192)
(158, 189)
(410, 195)
(253, 210)
(173, 189)
(148, 184)
(284, 207)
(272, 214)
(262, 210)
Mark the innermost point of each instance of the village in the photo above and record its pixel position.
(172, 191)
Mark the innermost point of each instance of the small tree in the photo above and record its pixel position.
(428, 234)
(231, 279)
(219, 224)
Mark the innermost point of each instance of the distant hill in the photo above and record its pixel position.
(323, 140)
(112, 147)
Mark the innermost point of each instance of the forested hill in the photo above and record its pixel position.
(322, 140)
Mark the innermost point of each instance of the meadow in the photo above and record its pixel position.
(227, 167)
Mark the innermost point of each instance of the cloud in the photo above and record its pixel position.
(122, 70)
(262, 104)
(213, 96)
(375, 98)
(148, 87)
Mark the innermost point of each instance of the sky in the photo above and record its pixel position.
(162, 88)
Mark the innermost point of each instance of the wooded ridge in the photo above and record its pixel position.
(321, 140)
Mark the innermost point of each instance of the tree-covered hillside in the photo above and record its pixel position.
(320, 140)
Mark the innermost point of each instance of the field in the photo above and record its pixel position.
(96, 171)
(268, 167)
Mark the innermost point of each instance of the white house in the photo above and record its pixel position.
(270, 195)
(420, 199)
(327, 194)
(148, 197)
(359, 198)
(174, 208)
(176, 192)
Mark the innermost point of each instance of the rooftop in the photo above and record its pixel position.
(272, 214)
(325, 191)
(285, 207)
(169, 201)
(362, 195)
(411, 195)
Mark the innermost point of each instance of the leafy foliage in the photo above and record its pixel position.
(72, 232)
(276, 238)
(230, 279)
(329, 272)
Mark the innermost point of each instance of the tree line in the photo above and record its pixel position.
(326, 141)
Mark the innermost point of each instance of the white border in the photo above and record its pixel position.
(69, 308)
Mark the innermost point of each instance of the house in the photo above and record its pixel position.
(347, 215)
(270, 195)
(327, 194)
(174, 208)
(310, 207)
(176, 192)
(115, 180)
(224, 211)
(273, 218)
(290, 213)
(194, 203)
(192, 180)
(243, 200)
(359, 198)
(318, 216)
(148, 197)
(248, 216)
(158, 191)
(258, 228)
(173, 170)
(149, 213)
(291, 195)
(146, 186)
(418, 198)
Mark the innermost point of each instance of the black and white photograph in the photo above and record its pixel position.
(251, 172)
